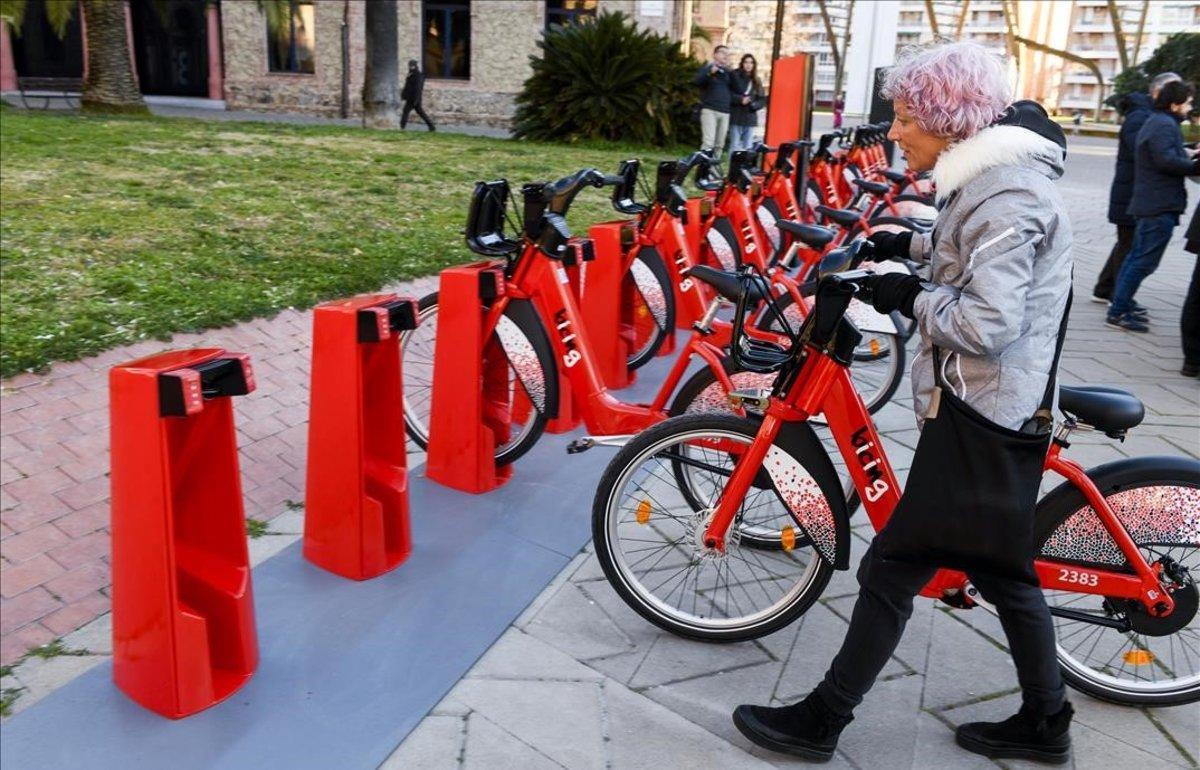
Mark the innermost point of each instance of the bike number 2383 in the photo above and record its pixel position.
(1081, 578)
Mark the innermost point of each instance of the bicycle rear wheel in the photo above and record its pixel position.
(531, 370)
(1156, 662)
(648, 530)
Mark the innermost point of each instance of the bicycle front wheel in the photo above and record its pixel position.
(530, 368)
(654, 503)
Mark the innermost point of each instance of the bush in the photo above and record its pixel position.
(604, 78)
(1180, 53)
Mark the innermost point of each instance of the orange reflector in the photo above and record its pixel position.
(642, 311)
(874, 347)
(787, 538)
(643, 512)
(1139, 657)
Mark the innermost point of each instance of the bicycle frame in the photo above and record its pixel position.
(823, 386)
(545, 282)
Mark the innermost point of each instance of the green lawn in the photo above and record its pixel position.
(119, 229)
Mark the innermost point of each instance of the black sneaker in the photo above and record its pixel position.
(1190, 370)
(1140, 311)
(806, 729)
(1128, 322)
(1100, 299)
(1022, 736)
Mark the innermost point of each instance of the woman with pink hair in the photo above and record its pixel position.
(991, 314)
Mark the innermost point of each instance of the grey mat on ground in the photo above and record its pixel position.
(347, 669)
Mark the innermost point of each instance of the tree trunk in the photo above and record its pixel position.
(110, 86)
(380, 82)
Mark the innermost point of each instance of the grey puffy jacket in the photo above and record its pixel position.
(1000, 255)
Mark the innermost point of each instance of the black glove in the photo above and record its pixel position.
(892, 291)
(888, 245)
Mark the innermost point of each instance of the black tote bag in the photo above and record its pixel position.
(972, 489)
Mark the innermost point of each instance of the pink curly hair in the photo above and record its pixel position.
(952, 89)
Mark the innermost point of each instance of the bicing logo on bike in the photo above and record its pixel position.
(877, 487)
(682, 263)
(567, 336)
(748, 237)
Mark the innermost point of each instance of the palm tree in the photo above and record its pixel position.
(381, 77)
(110, 85)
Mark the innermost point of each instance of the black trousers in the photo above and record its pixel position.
(410, 107)
(1108, 275)
(1189, 321)
(885, 603)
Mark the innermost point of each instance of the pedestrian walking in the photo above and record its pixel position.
(1189, 320)
(1135, 108)
(1159, 198)
(715, 99)
(993, 314)
(839, 106)
(747, 101)
(414, 87)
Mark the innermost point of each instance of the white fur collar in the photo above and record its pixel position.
(993, 146)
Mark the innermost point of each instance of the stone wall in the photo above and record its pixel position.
(504, 34)
(250, 86)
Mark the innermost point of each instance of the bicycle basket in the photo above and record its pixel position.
(534, 196)
(485, 220)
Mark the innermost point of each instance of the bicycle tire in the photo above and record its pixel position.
(815, 578)
(525, 320)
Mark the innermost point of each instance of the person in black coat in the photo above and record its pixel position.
(1160, 164)
(1135, 108)
(746, 100)
(1189, 321)
(713, 79)
(414, 85)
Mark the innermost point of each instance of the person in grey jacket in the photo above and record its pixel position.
(1000, 255)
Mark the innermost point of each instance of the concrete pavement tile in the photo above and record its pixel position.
(547, 595)
(636, 629)
(42, 676)
(1092, 748)
(709, 701)
(886, 726)
(573, 623)
(1183, 723)
(517, 655)
(563, 721)
(620, 667)
(647, 736)
(266, 546)
(436, 744)
(934, 746)
(95, 637)
(820, 637)
(672, 659)
(963, 665)
(488, 747)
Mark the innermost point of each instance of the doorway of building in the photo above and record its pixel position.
(170, 41)
(38, 51)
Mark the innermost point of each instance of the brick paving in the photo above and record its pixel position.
(54, 511)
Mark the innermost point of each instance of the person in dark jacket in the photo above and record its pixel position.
(414, 85)
(747, 101)
(1135, 108)
(1159, 197)
(715, 99)
(1189, 321)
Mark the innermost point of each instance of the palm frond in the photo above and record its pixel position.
(59, 13)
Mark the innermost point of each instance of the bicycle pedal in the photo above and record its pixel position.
(750, 398)
(580, 445)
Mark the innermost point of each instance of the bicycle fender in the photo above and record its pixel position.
(796, 456)
(650, 288)
(1067, 529)
(528, 350)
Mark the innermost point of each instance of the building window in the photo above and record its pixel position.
(290, 36)
(447, 40)
(569, 11)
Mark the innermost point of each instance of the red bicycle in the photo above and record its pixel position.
(725, 528)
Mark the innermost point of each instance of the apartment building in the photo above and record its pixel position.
(1090, 34)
